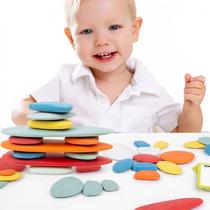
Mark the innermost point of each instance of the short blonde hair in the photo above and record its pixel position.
(71, 7)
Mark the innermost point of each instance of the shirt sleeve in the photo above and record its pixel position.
(168, 112)
(51, 91)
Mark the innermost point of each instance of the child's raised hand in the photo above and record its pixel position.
(194, 90)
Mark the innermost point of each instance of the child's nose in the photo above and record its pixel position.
(101, 39)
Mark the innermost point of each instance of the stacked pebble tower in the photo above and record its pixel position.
(55, 156)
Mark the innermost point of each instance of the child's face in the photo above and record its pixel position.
(103, 33)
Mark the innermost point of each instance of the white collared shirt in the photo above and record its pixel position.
(143, 104)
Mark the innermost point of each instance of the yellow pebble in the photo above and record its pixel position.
(194, 145)
(161, 144)
(13, 177)
(169, 167)
(50, 125)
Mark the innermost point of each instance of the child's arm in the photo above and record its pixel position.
(191, 118)
(19, 114)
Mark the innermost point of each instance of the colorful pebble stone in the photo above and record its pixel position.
(161, 144)
(28, 155)
(7, 172)
(11, 165)
(178, 157)
(149, 150)
(109, 185)
(76, 131)
(2, 184)
(123, 165)
(92, 188)
(204, 140)
(146, 158)
(142, 166)
(49, 116)
(169, 167)
(53, 107)
(56, 147)
(82, 156)
(147, 175)
(25, 140)
(119, 152)
(82, 141)
(50, 125)
(207, 149)
(13, 177)
(176, 204)
(87, 168)
(140, 143)
(194, 145)
(57, 160)
(66, 187)
(50, 170)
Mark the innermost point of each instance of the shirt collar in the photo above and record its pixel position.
(142, 80)
(81, 71)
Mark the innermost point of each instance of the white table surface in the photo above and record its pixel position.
(32, 191)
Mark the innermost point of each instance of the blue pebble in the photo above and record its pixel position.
(122, 165)
(28, 155)
(140, 143)
(207, 149)
(141, 166)
(54, 107)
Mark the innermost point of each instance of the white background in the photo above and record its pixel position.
(174, 40)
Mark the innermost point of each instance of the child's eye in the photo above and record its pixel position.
(87, 31)
(114, 27)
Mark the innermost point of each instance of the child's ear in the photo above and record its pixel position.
(136, 28)
(69, 36)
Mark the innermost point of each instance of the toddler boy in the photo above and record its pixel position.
(108, 88)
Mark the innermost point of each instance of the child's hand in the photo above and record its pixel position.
(194, 90)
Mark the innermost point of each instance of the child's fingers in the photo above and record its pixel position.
(195, 84)
(194, 91)
(199, 78)
(193, 98)
(187, 78)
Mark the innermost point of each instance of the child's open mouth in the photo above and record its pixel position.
(105, 56)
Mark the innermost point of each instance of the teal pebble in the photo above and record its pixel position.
(76, 131)
(66, 187)
(204, 140)
(207, 149)
(140, 166)
(2, 184)
(82, 156)
(92, 188)
(122, 165)
(49, 116)
(54, 107)
(109, 185)
(139, 143)
(28, 155)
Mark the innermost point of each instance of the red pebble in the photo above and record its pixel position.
(84, 169)
(147, 158)
(5, 165)
(177, 204)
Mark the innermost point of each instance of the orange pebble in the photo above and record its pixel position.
(82, 141)
(178, 157)
(147, 175)
(7, 172)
